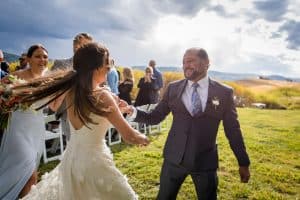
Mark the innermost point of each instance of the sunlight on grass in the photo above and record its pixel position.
(272, 139)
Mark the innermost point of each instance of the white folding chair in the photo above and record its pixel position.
(138, 126)
(142, 126)
(110, 135)
(51, 135)
(157, 127)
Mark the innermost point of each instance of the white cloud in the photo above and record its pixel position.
(237, 34)
(232, 44)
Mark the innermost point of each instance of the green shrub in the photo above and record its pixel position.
(281, 98)
(278, 98)
(243, 92)
(13, 65)
(270, 101)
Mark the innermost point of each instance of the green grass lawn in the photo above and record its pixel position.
(272, 139)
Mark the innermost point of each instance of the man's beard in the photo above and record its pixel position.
(195, 74)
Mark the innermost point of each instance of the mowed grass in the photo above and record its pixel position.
(272, 139)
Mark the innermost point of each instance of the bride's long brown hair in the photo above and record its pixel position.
(78, 82)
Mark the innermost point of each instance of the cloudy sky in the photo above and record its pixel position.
(240, 36)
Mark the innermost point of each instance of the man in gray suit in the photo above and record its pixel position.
(198, 104)
(78, 41)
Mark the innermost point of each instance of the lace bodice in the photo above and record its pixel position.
(87, 170)
(94, 134)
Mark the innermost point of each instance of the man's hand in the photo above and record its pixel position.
(123, 105)
(244, 174)
(128, 110)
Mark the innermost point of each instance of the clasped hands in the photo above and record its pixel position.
(139, 139)
(123, 105)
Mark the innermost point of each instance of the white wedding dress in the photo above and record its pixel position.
(87, 170)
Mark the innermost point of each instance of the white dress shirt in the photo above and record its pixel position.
(202, 91)
(187, 96)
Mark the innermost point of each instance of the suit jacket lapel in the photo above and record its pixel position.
(212, 92)
(180, 90)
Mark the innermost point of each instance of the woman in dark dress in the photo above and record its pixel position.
(148, 86)
(126, 85)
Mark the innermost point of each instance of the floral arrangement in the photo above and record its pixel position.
(15, 93)
(10, 98)
(216, 102)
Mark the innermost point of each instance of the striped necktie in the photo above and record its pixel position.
(196, 101)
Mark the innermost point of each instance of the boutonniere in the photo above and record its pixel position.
(215, 101)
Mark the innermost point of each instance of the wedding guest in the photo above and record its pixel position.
(113, 82)
(23, 62)
(2, 74)
(113, 78)
(126, 85)
(158, 76)
(78, 41)
(22, 142)
(4, 65)
(147, 89)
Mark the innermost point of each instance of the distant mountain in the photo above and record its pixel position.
(162, 69)
(277, 77)
(9, 57)
(224, 75)
(230, 76)
(296, 79)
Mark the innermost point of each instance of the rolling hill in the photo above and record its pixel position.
(226, 76)
(266, 85)
(9, 57)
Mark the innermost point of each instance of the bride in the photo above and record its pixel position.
(87, 170)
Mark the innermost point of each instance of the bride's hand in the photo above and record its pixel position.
(142, 140)
(115, 117)
(138, 139)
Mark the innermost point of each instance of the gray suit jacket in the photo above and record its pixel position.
(61, 112)
(191, 140)
(62, 64)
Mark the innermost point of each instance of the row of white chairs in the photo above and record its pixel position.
(57, 134)
(150, 129)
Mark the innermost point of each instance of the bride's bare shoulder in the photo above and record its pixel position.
(102, 93)
(104, 98)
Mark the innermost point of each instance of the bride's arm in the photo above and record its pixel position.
(116, 118)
